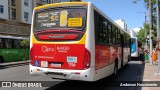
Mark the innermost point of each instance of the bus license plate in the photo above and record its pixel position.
(72, 59)
(44, 64)
(55, 65)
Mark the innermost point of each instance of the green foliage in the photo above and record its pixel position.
(142, 31)
(24, 43)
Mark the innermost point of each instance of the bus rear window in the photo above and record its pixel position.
(132, 41)
(62, 18)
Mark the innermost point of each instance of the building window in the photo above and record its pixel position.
(1, 9)
(65, 0)
(13, 12)
(26, 16)
(26, 2)
(75, 0)
(13, 3)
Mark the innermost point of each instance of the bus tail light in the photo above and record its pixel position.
(87, 59)
(31, 56)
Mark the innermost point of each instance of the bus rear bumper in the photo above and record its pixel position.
(84, 75)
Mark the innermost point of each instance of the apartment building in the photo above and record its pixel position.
(15, 17)
(3, 9)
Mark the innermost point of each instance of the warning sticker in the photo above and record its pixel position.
(63, 18)
(74, 22)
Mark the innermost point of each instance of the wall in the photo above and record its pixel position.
(28, 9)
(5, 14)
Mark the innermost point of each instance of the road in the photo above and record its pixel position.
(132, 72)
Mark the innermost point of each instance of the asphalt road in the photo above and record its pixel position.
(132, 72)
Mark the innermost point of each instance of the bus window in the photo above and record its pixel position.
(8, 43)
(1, 43)
(105, 32)
(17, 43)
(109, 31)
(132, 41)
(113, 35)
(118, 37)
(65, 18)
(99, 28)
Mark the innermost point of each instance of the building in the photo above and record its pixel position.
(4, 9)
(42, 2)
(121, 23)
(15, 17)
(133, 33)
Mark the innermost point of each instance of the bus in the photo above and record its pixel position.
(11, 49)
(76, 41)
(134, 45)
(134, 48)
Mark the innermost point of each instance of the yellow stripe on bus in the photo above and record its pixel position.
(60, 4)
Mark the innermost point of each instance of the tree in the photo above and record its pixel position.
(141, 33)
(153, 24)
(25, 43)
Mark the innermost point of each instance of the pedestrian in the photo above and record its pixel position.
(158, 44)
(142, 55)
(139, 53)
(146, 55)
(154, 58)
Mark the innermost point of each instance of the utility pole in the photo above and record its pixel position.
(145, 31)
(158, 34)
(150, 31)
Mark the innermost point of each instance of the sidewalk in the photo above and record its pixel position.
(150, 74)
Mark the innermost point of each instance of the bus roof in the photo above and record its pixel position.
(59, 4)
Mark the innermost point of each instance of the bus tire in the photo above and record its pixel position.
(115, 69)
(129, 58)
(1, 59)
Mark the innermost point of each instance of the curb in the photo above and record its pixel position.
(13, 64)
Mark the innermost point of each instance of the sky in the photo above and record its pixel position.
(132, 14)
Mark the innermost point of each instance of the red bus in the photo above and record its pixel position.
(76, 41)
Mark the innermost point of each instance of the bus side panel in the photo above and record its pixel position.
(14, 55)
(113, 54)
(126, 55)
(102, 56)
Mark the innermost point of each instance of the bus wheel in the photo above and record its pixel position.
(1, 60)
(115, 69)
(129, 58)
